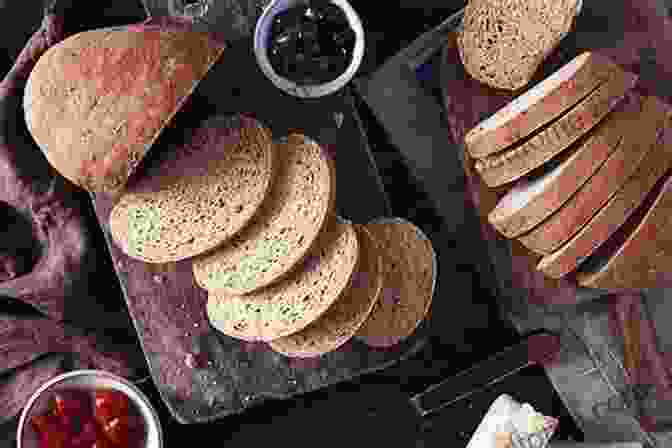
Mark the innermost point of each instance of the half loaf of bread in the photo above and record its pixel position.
(96, 101)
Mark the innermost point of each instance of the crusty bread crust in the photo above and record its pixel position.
(598, 230)
(638, 138)
(529, 202)
(540, 104)
(514, 163)
(97, 101)
(644, 259)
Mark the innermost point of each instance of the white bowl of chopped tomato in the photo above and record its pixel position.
(89, 409)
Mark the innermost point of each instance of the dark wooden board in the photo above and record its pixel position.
(167, 307)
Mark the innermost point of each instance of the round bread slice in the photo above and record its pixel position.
(639, 135)
(613, 215)
(201, 193)
(97, 101)
(296, 301)
(286, 227)
(342, 320)
(409, 277)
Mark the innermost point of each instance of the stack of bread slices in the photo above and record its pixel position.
(256, 217)
(584, 167)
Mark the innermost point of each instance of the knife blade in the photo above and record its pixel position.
(535, 349)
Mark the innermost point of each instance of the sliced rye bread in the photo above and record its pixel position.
(342, 320)
(503, 42)
(514, 163)
(201, 194)
(288, 224)
(409, 277)
(97, 101)
(530, 201)
(639, 135)
(613, 215)
(639, 254)
(540, 104)
(296, 301)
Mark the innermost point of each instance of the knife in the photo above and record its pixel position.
(537, 348)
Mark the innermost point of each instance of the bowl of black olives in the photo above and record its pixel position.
(309, 48)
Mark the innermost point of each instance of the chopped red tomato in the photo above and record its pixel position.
(110, 404)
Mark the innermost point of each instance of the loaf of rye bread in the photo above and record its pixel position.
(519, 160)
(614, 214)
(196, 195)
(503, 42)
(639, 136)
(540, 104)
(533, 199)
(96, 102)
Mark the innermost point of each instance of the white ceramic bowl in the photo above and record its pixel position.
(88, 380)
(263, 29)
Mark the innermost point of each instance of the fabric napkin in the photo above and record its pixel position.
(63, 287)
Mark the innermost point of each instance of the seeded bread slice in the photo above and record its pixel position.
(530, 201)
(613, 215)
(638, 138)
(639, 256)
(288, 223)
(199, 195)
(97, 101)
(503, 42)
(539, 105)
(342, 320)
(298, 300)
(409, 277)
(516, 162)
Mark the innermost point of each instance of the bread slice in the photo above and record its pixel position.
(540, 104)
(96, 101)
(342, 320)
(530, 201)
(409, 277)
(503, 42)
(639, 255)
(285, 229)
(201, 193)
(613, 215)
(295, 302)
(516, 162)
(638, 137)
